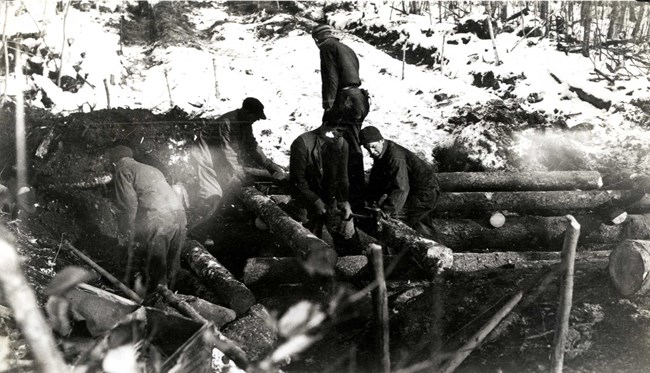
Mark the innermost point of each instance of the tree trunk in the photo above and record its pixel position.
(518, 181)
(504, 12)
(622, 16)
(316, 256)
(631, 7)
(637, 23)
(554, 203)
(238, 297)
(428, 254)
(586, 17)
(612, 30)
(271, 271)
(629, 266)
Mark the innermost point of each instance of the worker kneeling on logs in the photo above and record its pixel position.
(319, 184)
(151, 215)
(401, 185)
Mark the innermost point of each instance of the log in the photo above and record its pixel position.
(271, 271)
(238, 297)
(316, 256)
(566, 294)
(253, 333)
(553, 203)
(629, 265)
(531, 232)
(216, 314)
(26, 311)
(428, 254)
(518, 181)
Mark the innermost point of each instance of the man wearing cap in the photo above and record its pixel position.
(319, 182)
(343, 100)
(151, 214)
(224, 146)
(402, 185)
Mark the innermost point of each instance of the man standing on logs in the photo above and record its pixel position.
(343, 100)
(319, 183)
(223, 148)
(402, 185)
(151, 214)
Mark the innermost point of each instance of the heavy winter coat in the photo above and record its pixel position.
(339, 68)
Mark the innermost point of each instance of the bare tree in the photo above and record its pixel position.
(638, 21)
(612, 30)
(586, 22)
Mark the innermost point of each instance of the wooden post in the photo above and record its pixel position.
(442, 54)
(113, 280)
(380, 300)
(26, 312)
(439, 11)
(476, 339)
(21, 142)
(6, 51)
(404, 57)
(214, 70)
(169, 91)
(108, 95)
(494, 44)
(566, 295)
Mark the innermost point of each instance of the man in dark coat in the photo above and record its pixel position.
(402, 185)
(151, 215)
(343, 100)
(224, 147)
(319, 182)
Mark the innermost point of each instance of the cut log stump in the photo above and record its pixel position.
(629, 266)
(238, 297)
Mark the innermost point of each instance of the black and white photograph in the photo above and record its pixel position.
(324, 186)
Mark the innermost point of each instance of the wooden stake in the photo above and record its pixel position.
(494, 44)
(439, 11)
(380, 298)
(169, 91)
(476, 339)
(442, 54)
(128, 292)
(216, 84)
(108, 95)
(21, 142)
(566, 295)
(404, 58)
(26, 312)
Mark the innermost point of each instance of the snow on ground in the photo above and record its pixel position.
(284, 74)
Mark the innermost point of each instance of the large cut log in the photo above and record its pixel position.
(629, 266)
(428, 254)
(518, 181)
(253, 333)
(275, 270)
(529, 232)
(238, 297)
(316, 256)
(553, 203)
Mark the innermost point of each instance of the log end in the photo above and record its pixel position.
(629, 265)
(497, 220)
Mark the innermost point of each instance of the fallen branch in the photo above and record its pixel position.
(587, 97)
(113, 280)
(179, 304)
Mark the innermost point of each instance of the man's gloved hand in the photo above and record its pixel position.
(346, 210)
(641, 183)
(277, 172)
(319, 207)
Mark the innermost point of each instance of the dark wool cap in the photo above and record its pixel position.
(321, 30)
(120, 152)
(369, 134)
(254, 106)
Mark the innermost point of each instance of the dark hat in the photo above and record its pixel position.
(369, 134)
(120, 152)
(321, 30)
(254, 106)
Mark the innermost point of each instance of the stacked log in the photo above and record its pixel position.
(629, 266)
(519, 181)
